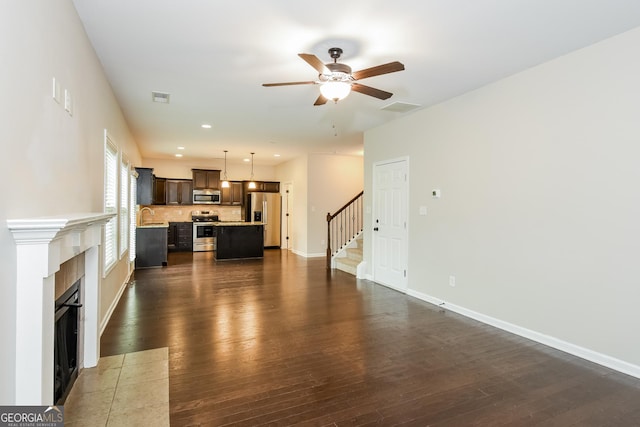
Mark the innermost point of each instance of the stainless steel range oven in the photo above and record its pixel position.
(204, 233)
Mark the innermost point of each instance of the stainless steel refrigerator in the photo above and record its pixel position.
(265, 208)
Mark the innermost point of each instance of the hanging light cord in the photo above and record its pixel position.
(252, 166)
(225, 165)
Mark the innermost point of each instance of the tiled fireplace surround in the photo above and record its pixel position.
(43, 245)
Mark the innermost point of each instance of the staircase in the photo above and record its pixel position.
(344, 236)
(349, 258)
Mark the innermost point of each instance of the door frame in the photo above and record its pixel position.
(286, 240)
(403, 287)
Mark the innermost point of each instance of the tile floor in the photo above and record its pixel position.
(125, 390)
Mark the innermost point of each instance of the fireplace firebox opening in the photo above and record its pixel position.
(66, 342)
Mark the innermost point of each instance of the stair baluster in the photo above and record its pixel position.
(343, 226)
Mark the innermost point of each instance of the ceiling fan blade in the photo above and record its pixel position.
(288, 84)
(391, 67)
(321, 100)
(315, 62)
(371, 91)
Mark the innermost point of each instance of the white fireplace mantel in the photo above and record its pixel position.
(42, 245)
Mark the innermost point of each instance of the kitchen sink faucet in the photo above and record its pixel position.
(146, 208)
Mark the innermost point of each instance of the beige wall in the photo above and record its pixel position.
(539, 218)
(294, 174)
(321, 184)
(52, 162)
(179, 168)
(333, 181)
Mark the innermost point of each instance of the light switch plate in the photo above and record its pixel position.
(435, 193)
(423, 210)
(56, 90)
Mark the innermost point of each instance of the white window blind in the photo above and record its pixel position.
(110, 203)
(132, 216)
(124, 205)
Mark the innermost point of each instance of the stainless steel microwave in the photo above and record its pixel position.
(206, 197)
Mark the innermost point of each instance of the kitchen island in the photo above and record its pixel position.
(237, 240)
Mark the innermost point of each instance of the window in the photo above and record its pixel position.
(123, 215)
(132, 215)
(110, 244)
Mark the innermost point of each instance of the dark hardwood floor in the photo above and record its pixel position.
(281, 341)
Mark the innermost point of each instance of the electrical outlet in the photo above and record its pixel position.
(452, 281)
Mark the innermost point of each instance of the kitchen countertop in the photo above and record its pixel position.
(216, 223)
(235, 223)
(154, 225)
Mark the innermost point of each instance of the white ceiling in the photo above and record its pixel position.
(213, 56)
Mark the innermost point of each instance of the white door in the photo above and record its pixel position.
(390, 199)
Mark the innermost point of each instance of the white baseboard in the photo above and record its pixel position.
(567, 347)
(361, 269)
(114, 304)
(306, 255)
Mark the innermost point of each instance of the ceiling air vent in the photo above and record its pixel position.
(160, 97)
(400, 107)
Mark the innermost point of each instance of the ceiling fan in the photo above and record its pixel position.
(336, 79)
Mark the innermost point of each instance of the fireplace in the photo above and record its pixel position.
(66, 343)
(43, 245)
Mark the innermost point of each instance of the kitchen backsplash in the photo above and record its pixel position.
(183, 213)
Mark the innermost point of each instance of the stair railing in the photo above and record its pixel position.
(343, 226)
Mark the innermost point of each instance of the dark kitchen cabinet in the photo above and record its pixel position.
(144, 186)
(232, 195)
(159, 191)
(271, 187)
(171, 236)
(206, 179)
(180, 237)
(151, 247)
(239, 241)
(263, 186)
(179, 192)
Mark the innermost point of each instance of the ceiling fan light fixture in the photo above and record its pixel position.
(335, 90)
(336, 79)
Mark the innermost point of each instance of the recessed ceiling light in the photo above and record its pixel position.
(180, 148)
(206, 126)
(178, 155)
(276, 155)
(246, 160)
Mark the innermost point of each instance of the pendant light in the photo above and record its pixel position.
(252, 184)
(225, 181)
